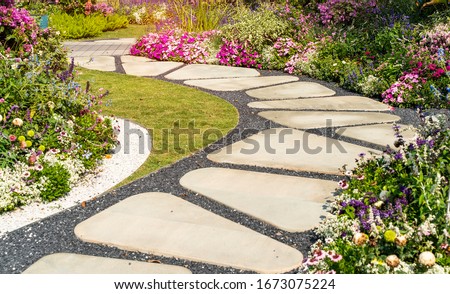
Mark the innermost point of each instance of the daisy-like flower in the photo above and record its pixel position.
(63, 134)
(360, 177)
(39, 167)
(343, 184)
(54, 151)
(334, 256)
(320, 254)
(332, 272)
(328, 240)
(312, 261)
(349, 173)
(26, 174)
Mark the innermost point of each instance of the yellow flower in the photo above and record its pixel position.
(29, 143)
(390, 236)
(21, 138)
(30, 133)
(42, 148)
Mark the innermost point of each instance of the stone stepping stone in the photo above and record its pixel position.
(134, 59)
(291, 91)
(382, 134)
(116, 41)
(68, 263)
(206, 71)
(291, 149)
(357, 103)
(103, 63)
(150, 69)
(163, 224)
(322, 119)
(293, 204)
(239, 84)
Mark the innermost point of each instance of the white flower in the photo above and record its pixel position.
(427, 258)
(17, 122)
(1, 117)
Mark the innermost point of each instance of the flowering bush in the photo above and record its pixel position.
(185, 47)
(233, 53)
(392, 224)
(102, 8)
(19, 30)
(344, 11)
(49, 133)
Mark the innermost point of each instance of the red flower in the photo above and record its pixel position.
(432, 66)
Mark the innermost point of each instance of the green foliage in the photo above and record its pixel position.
(56, 182)
(257, 28)
(204, 15)
(81, 26)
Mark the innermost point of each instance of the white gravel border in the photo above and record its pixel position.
(128, 157)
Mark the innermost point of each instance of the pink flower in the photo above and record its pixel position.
(343, 184)
(12, 138)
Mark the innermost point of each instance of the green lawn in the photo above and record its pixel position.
(132, 31)
(157, 105)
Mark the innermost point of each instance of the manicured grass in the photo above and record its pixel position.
(157, 106)
(132, 31)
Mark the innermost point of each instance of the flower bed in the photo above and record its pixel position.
(391, 214)
(50, 132)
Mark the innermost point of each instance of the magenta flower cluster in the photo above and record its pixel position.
(103, 8)
(233, 53)
(21, 29)
(343, 11)
(400, 90)
(187, 47)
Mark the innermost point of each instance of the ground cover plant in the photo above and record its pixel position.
(50, 135)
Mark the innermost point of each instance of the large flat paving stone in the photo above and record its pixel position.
(239, 84)
(291, 149)
(293, 204)
(103, 63)
(207, 71)
(357, 103)
(68, 263)
(134, 59)
(382, 134)
(149, 69)
(321, 119)
(291, 91)
(163, 224)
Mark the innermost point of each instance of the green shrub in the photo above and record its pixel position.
(203, 15)
(79, 26)
(114, 22)
(258, 28)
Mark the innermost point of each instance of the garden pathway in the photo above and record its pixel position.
(161, 224)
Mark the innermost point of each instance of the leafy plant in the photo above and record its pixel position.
(256, 28)
(200, 15)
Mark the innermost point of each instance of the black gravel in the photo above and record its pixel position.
(21, 248)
